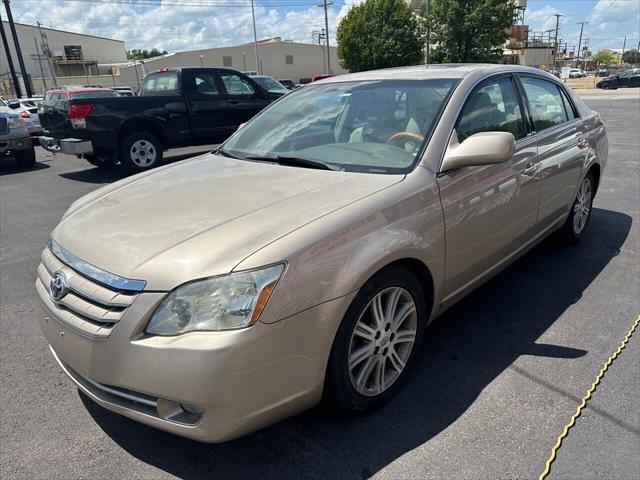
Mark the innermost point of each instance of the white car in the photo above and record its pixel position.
(577, 73)
(27, 108)
(124, 91)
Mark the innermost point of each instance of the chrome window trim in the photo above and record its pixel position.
(94, 273)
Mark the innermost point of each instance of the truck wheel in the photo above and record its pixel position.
(26, 158)
(100, 162)
(140, 151)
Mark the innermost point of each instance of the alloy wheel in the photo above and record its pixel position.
(143, 153)
(382, 341)
(582, 206)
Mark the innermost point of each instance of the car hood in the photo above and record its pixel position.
(203, 216)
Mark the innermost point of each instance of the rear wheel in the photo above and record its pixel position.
(377, 342)
(140, 151)
(573, 229)
(26, 158)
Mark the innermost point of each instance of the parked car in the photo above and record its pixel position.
(125, 91)
(553, 72)
(15, 141)
(602, 72)
(304, 258)
(27, 110)
(176, 107)
(626, 78)
(577, 73)
(270, 84)
(287, 83)
(321, 76)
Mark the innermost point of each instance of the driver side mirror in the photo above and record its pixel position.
(14, 104)
(484, 148)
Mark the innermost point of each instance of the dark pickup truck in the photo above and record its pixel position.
(176, 107)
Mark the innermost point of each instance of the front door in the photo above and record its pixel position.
(244, 96)
(489, 211)
(206, 104)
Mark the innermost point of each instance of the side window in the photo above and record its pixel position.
(493, 107)
(547, 105)
(236, 85)
(571, 112)
(205, 83)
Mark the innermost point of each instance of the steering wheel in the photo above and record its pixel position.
(409, 135)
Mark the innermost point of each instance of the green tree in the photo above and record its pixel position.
(380, 34)
(631, 56)
(136, 54)
(603, 57)
(469, 30)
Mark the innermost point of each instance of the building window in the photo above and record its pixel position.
(227, 62)
(288, 59)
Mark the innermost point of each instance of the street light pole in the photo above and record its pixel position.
(12, 69)
(555, 42)
(16, 44)
(255, 39)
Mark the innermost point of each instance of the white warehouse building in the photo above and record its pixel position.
(279, 59)
(70, 54)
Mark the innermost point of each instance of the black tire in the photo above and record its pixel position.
(570, 233)
(339, 391)
(26, 158)
(100, 162)
(150, 144)
(606, 86)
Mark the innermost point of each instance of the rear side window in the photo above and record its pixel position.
(546, 103)
(493, 107)
(205, 83)
(571, 112)
(96, 94)
(165, 83)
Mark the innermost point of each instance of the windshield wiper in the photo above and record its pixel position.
(224, 153)
(295, 162)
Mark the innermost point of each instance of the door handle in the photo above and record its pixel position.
(234, 102)
(530, 168)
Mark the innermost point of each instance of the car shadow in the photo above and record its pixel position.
(117, 172)
(8, 166)
(464, 351)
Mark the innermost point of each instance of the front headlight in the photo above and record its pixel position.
(226, 302)
(15, 121)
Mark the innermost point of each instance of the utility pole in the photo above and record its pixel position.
(624, 46)
(255, 39)
(326, 5)
(47, 52)
(16, 44)
(555, 43)
(44, 82)
(580, 41)
(14, 77)
(426, 40)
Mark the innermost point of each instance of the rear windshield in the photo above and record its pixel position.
(164, 83)
(94, 94)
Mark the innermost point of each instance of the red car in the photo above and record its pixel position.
(321, 76)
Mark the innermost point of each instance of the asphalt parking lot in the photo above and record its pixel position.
(500, 375)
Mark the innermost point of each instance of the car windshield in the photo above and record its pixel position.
(368, 126)
(93, 94)
(268, 83)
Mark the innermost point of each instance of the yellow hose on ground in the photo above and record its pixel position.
(587, 396)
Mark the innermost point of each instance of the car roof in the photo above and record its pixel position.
(426, 72)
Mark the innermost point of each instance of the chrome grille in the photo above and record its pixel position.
(88, 306)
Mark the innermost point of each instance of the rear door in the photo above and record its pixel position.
(561, 142)
(244, 96)
(490, 210)
(207, 104)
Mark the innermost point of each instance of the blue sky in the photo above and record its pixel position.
(168, 24)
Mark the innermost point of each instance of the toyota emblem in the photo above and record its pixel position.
(58, 287)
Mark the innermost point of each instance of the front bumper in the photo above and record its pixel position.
(9, 147)
(72, 146)
(240, 380)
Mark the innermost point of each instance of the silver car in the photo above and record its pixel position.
(27, 108)
(304, 258)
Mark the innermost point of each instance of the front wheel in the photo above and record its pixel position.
(573, 229)
(26, 158)
(140, 151)
(377, 342)
(606, 86)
